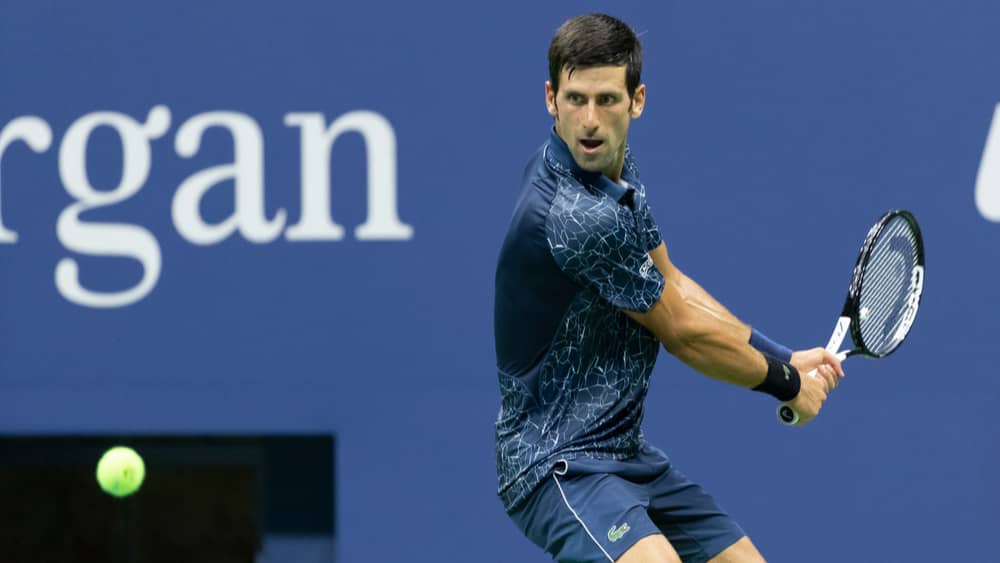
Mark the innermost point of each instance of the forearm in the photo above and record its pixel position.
(706, 336)
(696, 328)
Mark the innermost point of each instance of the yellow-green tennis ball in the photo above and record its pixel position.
(120, 471)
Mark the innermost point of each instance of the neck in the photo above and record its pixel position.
(614, 172)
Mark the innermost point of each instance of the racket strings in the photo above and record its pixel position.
(886, 286)
(887, 281)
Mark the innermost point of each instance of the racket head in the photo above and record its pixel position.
(886, 285)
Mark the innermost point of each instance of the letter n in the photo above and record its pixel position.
(316, 221)
(988, 179)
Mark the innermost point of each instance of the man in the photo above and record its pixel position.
(585, 295)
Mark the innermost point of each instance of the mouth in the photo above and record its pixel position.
(591, 145)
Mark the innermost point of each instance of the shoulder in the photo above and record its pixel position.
(582, 222)
(573, 205)
(527, 227)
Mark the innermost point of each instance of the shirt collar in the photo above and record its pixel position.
(557, 154)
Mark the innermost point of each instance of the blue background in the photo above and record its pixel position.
(775, 133)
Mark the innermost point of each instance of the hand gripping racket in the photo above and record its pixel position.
(884, 295)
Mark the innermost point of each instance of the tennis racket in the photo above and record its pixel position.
(884, 295)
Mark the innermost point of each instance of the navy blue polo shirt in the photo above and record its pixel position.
(573, 368)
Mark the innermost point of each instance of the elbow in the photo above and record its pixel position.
(682, 323)
(682, 339)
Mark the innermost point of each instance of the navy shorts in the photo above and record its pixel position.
(594, 511)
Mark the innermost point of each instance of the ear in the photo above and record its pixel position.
(550, 99)
(638, 101)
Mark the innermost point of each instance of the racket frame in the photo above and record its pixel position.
(850, 315)
(852, 305)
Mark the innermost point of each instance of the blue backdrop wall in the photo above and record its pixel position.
(170, 263)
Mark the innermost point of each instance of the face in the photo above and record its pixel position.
(592, 111)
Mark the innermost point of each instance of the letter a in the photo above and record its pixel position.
(246, 171)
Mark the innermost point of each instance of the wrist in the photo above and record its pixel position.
(768, 347)
(782, 380)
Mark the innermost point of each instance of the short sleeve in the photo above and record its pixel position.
(651, 231)
(603, 247)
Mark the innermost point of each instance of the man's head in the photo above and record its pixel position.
(593, 90)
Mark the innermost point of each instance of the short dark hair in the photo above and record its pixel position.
(595, 40)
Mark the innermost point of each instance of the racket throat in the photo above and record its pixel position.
(839, 332)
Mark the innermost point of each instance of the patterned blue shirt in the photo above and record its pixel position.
(573, 368)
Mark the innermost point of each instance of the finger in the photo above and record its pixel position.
(834, 378)
(832, 359)
(829, 375)
(818, 391)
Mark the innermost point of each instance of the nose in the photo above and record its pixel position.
(590, 116)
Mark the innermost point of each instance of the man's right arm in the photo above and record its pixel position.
(696, 328)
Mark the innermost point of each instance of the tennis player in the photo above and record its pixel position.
(585, 296)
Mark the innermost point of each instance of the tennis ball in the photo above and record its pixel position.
(120, 471)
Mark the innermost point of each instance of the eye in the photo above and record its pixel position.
(607, 99)
(574, 98)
